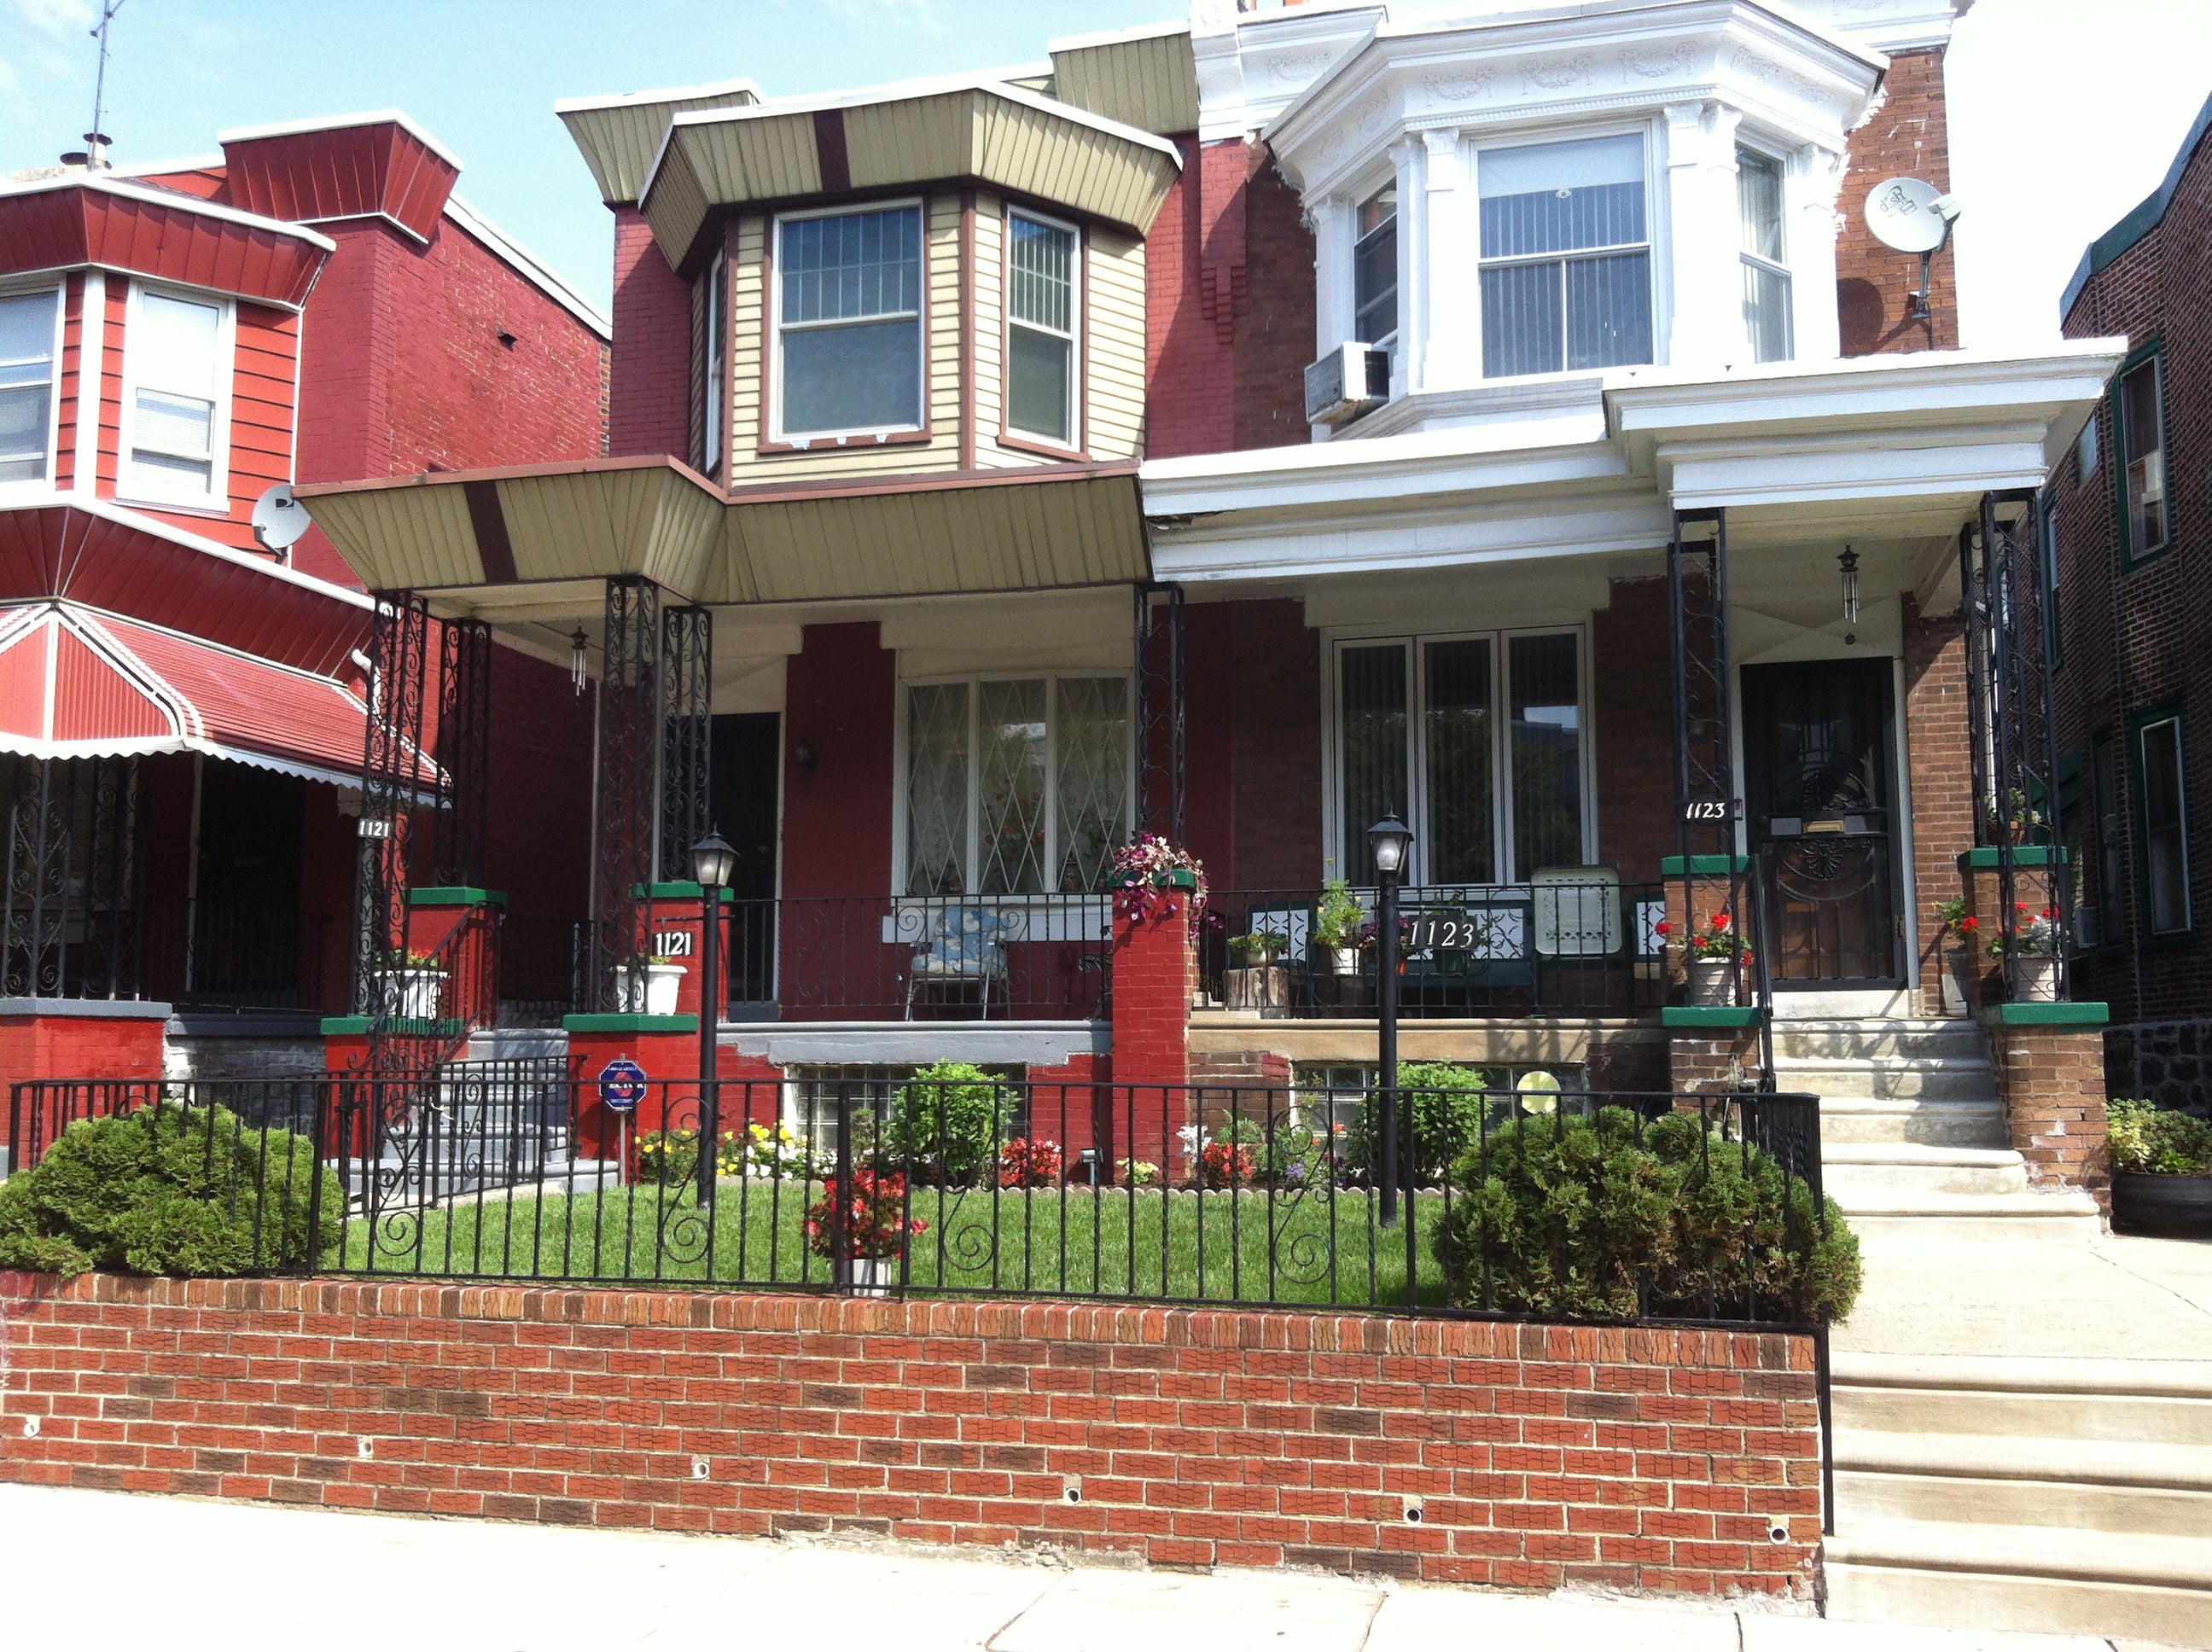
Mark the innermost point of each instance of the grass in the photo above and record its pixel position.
(1325, 1247)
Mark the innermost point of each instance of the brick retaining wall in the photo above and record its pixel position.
(1534, 1455)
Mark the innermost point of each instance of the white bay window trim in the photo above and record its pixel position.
(30, 365)
(1068, 337)
(916, 315)
(160, 369)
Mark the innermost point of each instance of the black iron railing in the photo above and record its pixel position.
(1590, 945)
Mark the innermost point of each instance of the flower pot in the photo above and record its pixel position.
(1260, 989)
(2035, 979)
(409, 994)
(875, 1276)
(1957, 980)
(1712, 981)
(1343, 960)
(2143, 1202)
(646, 990)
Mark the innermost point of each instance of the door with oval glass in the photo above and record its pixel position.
(1819, 779)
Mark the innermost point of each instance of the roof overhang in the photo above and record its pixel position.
(536, 545)
(997, 133)
(85, 219)
(619, 137)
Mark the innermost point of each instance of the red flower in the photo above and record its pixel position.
(1664, 927)
(1970, 923)
(1720, 920)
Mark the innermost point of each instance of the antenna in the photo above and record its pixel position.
(1911, 216)
(95, 141)
(279, 520)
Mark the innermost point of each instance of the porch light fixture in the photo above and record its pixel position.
(1387, 840)
(579, 659)
(1848, 561)
(712, 861)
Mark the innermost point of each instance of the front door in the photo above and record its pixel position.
(1820, 778)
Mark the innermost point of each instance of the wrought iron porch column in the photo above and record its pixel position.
(687, 671)
(626, 811)
(390, 784)
(1158, 712)
(70, 906)
(463, 752)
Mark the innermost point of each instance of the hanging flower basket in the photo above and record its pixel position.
(1147, 872)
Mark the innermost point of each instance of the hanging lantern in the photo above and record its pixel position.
(579, 659)
(1848, 561)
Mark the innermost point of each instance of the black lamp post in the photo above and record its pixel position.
(713, 860)
(1389, 839)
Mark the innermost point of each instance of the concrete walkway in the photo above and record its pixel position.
(99, 1570)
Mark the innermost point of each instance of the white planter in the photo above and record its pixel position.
(1712, 981)
(2035, 979)
(409, 994)
(646, 990)
(1344, 960)
(875, 1276)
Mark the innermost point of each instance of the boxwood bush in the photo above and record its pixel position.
(948, 1123)
(1445, 1108)
(165, 1190)
(1609, 1217)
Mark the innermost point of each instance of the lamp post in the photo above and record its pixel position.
(1388, 839)
(713, 860)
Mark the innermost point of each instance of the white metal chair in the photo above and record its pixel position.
(963, 943)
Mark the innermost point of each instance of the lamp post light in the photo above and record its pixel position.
(712, 861)
(1389, 839)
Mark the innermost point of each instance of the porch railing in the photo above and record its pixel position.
(1590, 945)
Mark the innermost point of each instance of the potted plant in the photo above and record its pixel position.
(645, 982)
(1255, 981)
(2034, 945)
(1258, 951)
(1147, 871)
(1955, 919)
(1713, 952)
(874, 1228)
(2161, 1169)
(408, 983)
(1337, 924)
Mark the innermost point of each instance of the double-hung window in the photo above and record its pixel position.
(28, 329)
(1766, 276)
(1567, 256)
(1015, 786)
(848, 322)
(1375, 269)
(717, 375)
(1476, 741)
(2142, 460)
(177, 360)
(1043, 311)
(2165, 826)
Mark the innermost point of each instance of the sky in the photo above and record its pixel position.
(2064, 113)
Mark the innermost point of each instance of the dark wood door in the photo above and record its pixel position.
(1819, 783)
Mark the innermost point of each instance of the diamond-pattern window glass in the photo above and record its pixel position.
(1010, 780)
(937, 789)
(1092, 735)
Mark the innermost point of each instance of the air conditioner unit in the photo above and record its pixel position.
(1350, 380)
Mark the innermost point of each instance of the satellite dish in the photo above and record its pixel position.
(279, 519)
(1909, 214)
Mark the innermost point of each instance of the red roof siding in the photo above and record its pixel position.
(23, 685)
(345, 171)
(94, 700)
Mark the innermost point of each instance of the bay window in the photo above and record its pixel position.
(1375, 269)
(1765, 276)
(2143, 454)
(1043, 310)
(1476, 739)
(28, 326)
(1016, 785)
(848, 322)
(177, 357)
(1565, 257)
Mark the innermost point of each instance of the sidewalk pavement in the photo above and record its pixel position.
(96, 1570)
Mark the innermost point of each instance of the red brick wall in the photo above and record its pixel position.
(1633, 728)
(1153, 979)
(650, 394)
(840, 696)
(537, 840)
(1939, 757)
(2052, 1079)
(77, 1047)
(1275, 336)
(1538, 1456)
(1275, 742)
(1908, 136)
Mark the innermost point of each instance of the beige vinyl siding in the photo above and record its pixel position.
(1150, 82)
(991, 335)
(1113, 322)
(748, 358)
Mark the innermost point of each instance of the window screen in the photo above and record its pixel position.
(1566, 269)
(172, 347)
(27, 385)
(1041, 310)
(852, 321)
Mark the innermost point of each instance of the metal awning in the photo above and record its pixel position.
(75, 682)
(537, 543)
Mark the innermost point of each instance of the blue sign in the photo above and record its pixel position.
(622, 1085)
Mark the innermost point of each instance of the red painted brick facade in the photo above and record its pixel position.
(650, 406)
(1536, 1455)
(1632, 726)
(1939, 754)
(113, 1047)
(1154, 976)
(839, 696)
(1907, 135)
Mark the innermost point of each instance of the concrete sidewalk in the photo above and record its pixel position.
(99, 1570)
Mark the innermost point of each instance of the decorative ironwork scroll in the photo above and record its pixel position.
(464, 751)
(391, 785)
(687, 669)
(1161, 673)
(69, 904)
(627, 809)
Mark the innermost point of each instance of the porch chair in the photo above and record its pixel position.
(962, 943)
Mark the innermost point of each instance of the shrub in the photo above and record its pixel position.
(1444, 1102)
(1226, 1163)
(1030, 1163)
(876, 1222)
(948, 1121)
(1139, 1173)
(2146, 1137)
(1607, 1218)
(165, 1190)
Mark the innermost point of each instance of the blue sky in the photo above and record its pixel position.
(2065, 113)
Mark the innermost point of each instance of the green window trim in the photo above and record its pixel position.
(2152, 352)
(2139, 724)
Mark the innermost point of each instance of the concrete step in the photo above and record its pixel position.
(1873, 1173)
(1878, 1041)
(2122, 1402)
(2086, 1485)
(2042, 1578)
(1885, 1216)
(1952, 1123)
(1932, 1078)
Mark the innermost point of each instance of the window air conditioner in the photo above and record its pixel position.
(1350, 380)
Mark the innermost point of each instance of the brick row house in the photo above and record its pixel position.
(183, 698)
(2124, 565)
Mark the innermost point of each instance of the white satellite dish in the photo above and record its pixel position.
(1909, 214)
(279, 519)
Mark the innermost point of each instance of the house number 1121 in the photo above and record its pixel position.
(672, 943)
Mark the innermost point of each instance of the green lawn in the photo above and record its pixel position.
(1323, 1248)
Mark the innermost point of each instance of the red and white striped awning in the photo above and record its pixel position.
(75, 682)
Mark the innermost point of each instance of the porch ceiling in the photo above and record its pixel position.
(534, 545)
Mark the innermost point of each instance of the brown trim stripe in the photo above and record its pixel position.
(494, 548)
(830, 151)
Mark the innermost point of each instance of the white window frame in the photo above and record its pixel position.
(1657, 241)
(1417, 803)
(775, 323)
(130, 486)
(1772, 266)
(1079, 276)
(47, 484)
(1390, 341)
(973, 848)
(715, 423)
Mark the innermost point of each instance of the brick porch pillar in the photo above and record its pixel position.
(666, 1046)
(2050, 1061)
(1154, 974)
(435, 916)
